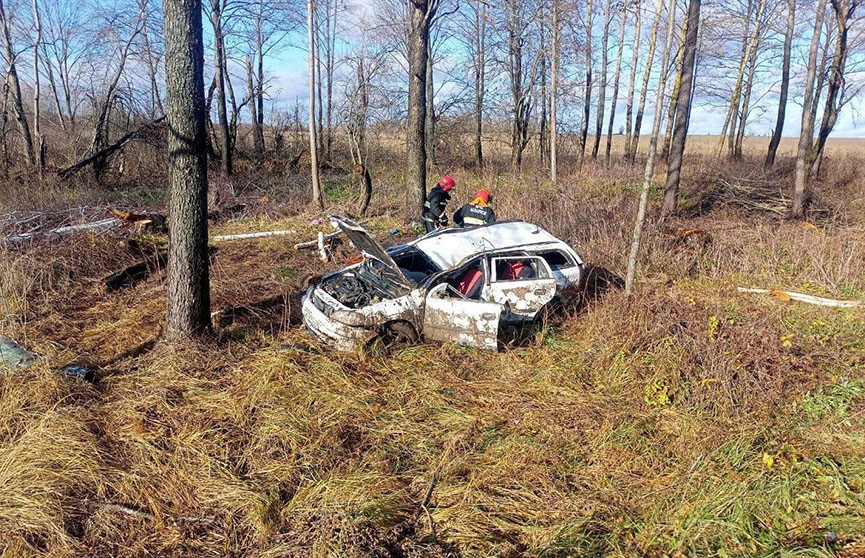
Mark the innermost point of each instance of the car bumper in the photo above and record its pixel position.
(340, 336)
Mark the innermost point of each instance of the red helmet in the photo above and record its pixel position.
(447, 183)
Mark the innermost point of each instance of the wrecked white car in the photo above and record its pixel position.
(468, 286)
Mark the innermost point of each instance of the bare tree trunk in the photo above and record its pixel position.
(257, 133)
(219, 77)
(480, 75)
(155, 99)
(429, 125)
(15, 88)
(520, 92)
(635, 56)
(587, 102)
(653, 149)
(806, 136)
(100, 127)
(318, 81)
(647, 72)
(188, 289)
(785, 85)
(683, 112)
(602, 89)
(746, 103)
(259, 89)
(844, 10)
(317, 197)
(554, 84)
(614, 100)
(671, 112)
(733, 112)
(542, 123)
(4, 121)
(330, 67)
(421, 12)
(37, 115)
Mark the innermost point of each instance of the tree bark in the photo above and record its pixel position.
(317, 197)
(219, 77)
(15, 88)
(746, 104)
(37, 113)
(421, 11)
(785, 85)
(480, 75)
(257, 132)
(844, 10)
(587, 102)
(732, 117)
(635, 56)
(602, 88)
(647, 72)
(429, 125)
(683, 112)
(671, 112)
(554, 84)
(188, 289)
(806, 135)
(650, 160)
(614, 100)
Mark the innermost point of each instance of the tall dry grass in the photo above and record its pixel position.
(689, 420)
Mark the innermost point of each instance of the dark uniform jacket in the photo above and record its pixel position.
(436, 202)
(474, 215)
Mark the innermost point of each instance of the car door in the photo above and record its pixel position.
(527, 292)
(450, 317)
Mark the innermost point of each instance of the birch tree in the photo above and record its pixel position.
(647, 72)
(617, 75)
(650, 160)
(317, 197)
(635, 57)
(683, 112)
(785, 85)
(587, 101)
(806, 135)
(602, 88)
(15, 87)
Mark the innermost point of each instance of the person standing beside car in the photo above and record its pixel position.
(433, 214)
(477, 212)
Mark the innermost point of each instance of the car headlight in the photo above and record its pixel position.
(349, 318)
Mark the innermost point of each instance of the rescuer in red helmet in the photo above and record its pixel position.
(477, 212)
(434, 208)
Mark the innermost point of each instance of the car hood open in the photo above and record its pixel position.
(370, 249)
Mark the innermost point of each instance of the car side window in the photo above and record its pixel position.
(518, 269)
(557, 259)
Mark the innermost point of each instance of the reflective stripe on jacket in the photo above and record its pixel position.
(474, 216)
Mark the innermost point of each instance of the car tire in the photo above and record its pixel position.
(397, 335)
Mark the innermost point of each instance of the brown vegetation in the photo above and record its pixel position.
(690, 420)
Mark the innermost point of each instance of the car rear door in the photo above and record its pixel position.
(449, 317)
(525, 294)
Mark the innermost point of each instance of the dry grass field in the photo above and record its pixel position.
(689, 420)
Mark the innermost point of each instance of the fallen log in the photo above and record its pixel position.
(108, 150)
(135, 273)
(810, 299)
(244, 236)
(95, 226)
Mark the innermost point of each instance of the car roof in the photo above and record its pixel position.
(448, 247)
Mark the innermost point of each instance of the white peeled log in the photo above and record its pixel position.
(94, 226)
(819, 301)
(322, 249)
(244, 236)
